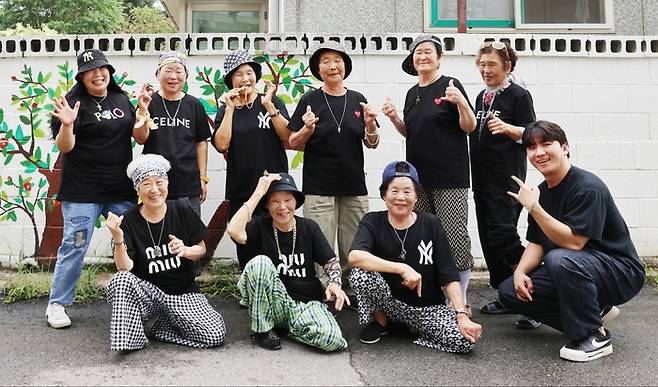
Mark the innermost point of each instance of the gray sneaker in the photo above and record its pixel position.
(57, 317)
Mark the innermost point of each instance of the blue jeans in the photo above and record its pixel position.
(79, 222)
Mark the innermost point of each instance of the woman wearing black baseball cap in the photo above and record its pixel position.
(92, 127)
(437, 118)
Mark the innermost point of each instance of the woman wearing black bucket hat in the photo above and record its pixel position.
(437, 118)
(333, 124)
(92, 127)
(279, 284)
(252, 129)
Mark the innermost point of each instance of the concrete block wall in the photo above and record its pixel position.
(601, 90)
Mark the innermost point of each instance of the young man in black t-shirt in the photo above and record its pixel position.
(580, 260)
(401, 261)
(155, 247)
(175, 125)
(279, 284)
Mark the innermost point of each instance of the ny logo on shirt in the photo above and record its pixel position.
(425, 251)
(263, 120)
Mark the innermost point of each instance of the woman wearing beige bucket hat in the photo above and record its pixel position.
(437, 118)
(333, 124)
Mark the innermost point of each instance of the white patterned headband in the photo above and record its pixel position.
(145, 166)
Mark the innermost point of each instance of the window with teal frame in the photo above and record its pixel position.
(479, 14)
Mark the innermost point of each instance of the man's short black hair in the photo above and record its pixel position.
(543, 131)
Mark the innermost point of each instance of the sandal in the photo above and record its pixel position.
(525, 323)
(495, 307)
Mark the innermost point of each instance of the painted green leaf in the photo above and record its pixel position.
(8, 159)
(26, 121)
(38, 133)
(2, 115)
(47, 77)
(37, 154)
(297, 160)
(292, 62)
(30, 206)
(218, 78)
(286, 99)
(40, 205)
(130, 82)
(42, 183)
(11, 216)
(207, 90)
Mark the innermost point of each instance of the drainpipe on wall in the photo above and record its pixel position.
(461, 16)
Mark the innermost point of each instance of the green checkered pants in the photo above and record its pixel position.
(270, 306)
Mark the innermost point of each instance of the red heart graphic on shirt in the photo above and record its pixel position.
(438, 100)
(357, 113)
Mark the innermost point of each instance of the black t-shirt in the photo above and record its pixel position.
(333, 161)
(427, 249)
(582, 202)
(176, 139)
(254, 147)
(172, 275)
(297, 271)
(496, 157)
(95, 169)
(436, 145)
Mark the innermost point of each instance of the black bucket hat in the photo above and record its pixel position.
(329, 45)
(408, 62)
(92, 59)
(287, 183)
(236, 59)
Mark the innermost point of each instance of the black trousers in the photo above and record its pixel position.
(497, 216)
(572, 287)
(233, 207)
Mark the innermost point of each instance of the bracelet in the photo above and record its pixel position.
(276, 113)
(371, 143)
(117, 243)
(371, 134)
(461, 311)
(204, 179)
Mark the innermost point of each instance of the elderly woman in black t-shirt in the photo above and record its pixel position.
(252, 129)
(402, 263)
(333, 124)
(279, 284)
(92, 128)
(437, 119)
(503, 110)
(156, 276)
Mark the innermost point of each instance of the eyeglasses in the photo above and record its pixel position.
(494, 45)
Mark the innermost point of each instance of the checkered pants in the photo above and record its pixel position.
(270, 306)
(437, 325)
(186, 319)
(451, 206)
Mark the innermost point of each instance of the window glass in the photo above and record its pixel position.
(225, 21)
(479, 9)
(563, 11)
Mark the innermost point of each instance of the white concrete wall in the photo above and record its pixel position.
(605, 99)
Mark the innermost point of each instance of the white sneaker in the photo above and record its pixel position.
(57, 317)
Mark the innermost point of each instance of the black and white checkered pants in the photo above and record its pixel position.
(451, 206)
(186, 319)
(436, 325)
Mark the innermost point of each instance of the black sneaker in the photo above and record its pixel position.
(372, 332)
(268, 340)
(524, 322)
(588, 348)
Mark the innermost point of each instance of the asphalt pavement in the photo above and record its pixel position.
(33, 354)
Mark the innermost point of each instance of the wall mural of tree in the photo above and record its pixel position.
(31, 161)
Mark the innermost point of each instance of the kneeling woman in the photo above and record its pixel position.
(156, 276)
(401, 262)
(279, 285)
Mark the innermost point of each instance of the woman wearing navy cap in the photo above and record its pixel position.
(403, 267)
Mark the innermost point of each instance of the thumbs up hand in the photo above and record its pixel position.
(389, 109)
(309, 118)
(453, 94)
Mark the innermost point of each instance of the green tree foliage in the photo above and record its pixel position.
(138, 3)
(21, 30)
(64, 16)
(149, 20)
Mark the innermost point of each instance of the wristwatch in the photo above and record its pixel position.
(204, 179)
(461, 311)
(276, 113)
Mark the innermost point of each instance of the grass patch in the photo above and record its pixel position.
(28, 283)
(651, 276)
(32, 282)
(223, 281)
